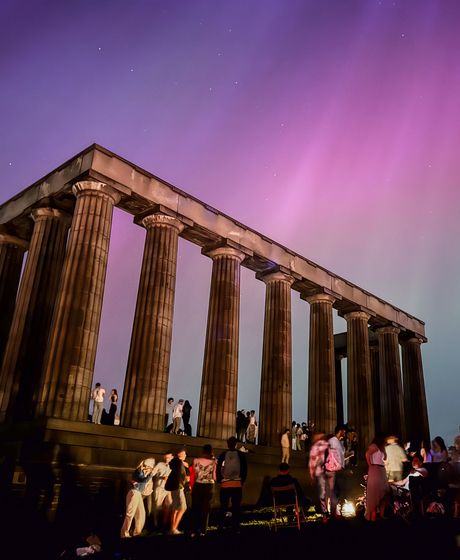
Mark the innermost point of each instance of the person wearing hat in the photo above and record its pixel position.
(141, 484)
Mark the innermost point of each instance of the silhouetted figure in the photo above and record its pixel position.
(186, 409)
(113, 407)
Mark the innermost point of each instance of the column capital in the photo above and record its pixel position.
(388, 330)
(47, 212)
(8, 239)
(225, 251)
(357, 315)
(320, 298)
(275, 276)
(413, 340)
(96, 188)
(153, 220)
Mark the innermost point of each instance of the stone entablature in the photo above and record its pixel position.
(140, 190)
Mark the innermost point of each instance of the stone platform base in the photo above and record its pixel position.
(56, 465)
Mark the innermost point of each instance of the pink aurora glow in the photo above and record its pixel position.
(332, 127)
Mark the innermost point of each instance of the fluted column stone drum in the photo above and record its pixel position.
(219, 384)
(360, 409)
(275, 412)
(147, 375)
(339, 388)
(322, 405)
(69, 363)
(391, 395)
(25, 351)
(415, 406)
(12, 250)
(375, 376)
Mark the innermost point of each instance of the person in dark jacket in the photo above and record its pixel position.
(231, 473)
(186, 410)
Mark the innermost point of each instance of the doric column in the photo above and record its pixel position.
(415, 407)
(11, 256)
(391, 399)
(275, 412)
(322, 406)
(339, 388)
(146, 382)
(24, 353)
(69, 364)
(375, 375)
(360, 409)
(219, 384)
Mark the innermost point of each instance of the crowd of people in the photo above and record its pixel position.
(391, 470)
(167, 487)
(164, 492)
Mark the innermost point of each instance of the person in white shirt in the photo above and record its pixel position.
(285, 446)
(335, 462)
(169, 415)
(98, 397)
(395, 459)
(177, 416)
(162, 499)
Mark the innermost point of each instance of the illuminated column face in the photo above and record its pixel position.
(360, 409)
(415, 405)
(339, 388)
(322, 405)
(146, 383)
(391, 400)
(219, 384)
(69, 362)
(24, 353)
(375, 376)
(276, 378)
(11, 256)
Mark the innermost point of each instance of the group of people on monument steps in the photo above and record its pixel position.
(100, 416)
(177, 417)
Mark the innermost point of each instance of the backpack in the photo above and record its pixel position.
(332, 463)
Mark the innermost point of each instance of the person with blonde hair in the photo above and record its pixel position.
(395, 459)
(285, 446)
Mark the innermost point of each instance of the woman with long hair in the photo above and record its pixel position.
(113, 407)
(377, 484)
(203, 477)
(438, 452)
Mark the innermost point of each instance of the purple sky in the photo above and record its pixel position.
(332, 127)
